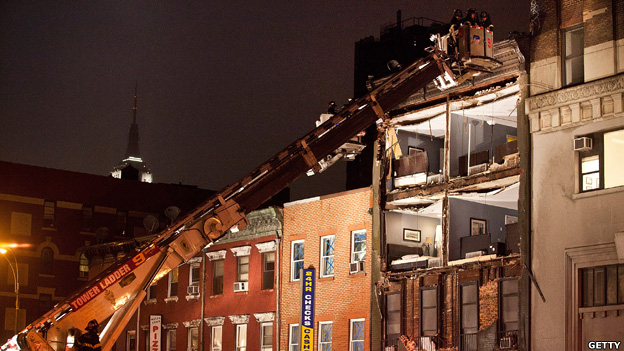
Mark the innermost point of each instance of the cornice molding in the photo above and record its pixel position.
(214, 321)
(216, 255)
(265, 317)
(241, 250)
(239, 318)
(268, 246)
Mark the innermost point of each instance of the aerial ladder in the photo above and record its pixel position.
(115, 294)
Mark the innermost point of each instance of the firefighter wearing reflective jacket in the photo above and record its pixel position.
(90, 341)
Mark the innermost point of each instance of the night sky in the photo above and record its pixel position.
(222, 85)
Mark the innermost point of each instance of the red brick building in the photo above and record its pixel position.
(53, 213)
(332, 233)
(234, 307)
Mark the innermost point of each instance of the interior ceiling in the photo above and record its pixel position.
(495, 107)
(506, 197)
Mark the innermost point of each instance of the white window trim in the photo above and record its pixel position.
(169, 282)
(128, 334)
(322, 256)
(351, 340)
(292, 257)
(191, 267)
(262, 346)
(169, 333)
(238, 333)
(290, 332)
(320, 348)
(212, 338)
(189, 346)
(353, 252)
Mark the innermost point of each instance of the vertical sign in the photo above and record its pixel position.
(307, 310)
(155, 329)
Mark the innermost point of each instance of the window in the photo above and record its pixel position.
(327, 256)
(356, 335)
(86, 220)
(325, 336)
(83, 268)
(509, 305)
(358, 245)
(171, 340)
(429, 311)
(241, 336)
(151, 291)
(120, 223)
(296, 259)
(194, 274)
(173, 283)
(268, 270)
(469, 316)
(217, 334)
(193, 342)
(601, 286)
(131, 340)
(48, 214)
(217, 277)
(266, 339)
(45, 303)
(243, 269)
(293, 337)
(393, 318)
(601, 167)
(47, 261)
(573, 56)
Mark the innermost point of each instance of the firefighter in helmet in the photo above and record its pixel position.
(90, 341)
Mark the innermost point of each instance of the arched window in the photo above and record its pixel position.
(47, 260)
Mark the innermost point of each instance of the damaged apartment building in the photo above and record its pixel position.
(448, 182)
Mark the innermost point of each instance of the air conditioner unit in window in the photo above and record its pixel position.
(582, 144)
(356, 267)
(240, 286)
(192, 290)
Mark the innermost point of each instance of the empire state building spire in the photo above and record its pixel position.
(132, 166)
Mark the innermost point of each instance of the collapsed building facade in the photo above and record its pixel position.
(447, 178)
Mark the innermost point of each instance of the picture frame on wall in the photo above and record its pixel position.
(478, 226)
(411, 235)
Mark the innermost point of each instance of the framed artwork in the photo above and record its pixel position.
(411, 235)
(477, 226)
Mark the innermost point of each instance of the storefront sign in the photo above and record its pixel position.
(155, 331)
(307, 310)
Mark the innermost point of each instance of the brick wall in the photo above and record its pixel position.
(339, 298)
(546, 44)
(598, 27)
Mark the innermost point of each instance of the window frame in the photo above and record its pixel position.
(503, 296)
(192, 268)
(293, 342)
(131, 335)
(212, 338)
(49, 214)
(606, 283)
(294, 272)
(46, 261)
(242, 275)
(435, 308)
(173, 286)
(352, 341)
(569, 57)
(239, 347)
(327, 260)
(388, 312)
(192, 331)
(217, 280)
(83, 266)
(268, 272)
(354, 253)
(323, 344)
(263, 346)
(598, 150)
(169, 345)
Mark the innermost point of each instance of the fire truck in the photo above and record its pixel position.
(115, 294)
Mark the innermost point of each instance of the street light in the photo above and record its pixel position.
(15, 279)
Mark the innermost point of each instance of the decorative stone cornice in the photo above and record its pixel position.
(170, 326)
(214, 321)
(241, 250)
(265, 317)
(216, 255)
(194, 260)
(576, 105)
(239, 318)
(192, 324)
(268, 246)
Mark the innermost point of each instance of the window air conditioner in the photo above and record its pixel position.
(356, 267)
(240, 286)
(582, 144)
(505, 342)
(192, 290)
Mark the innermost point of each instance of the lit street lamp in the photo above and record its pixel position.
(15, 279)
